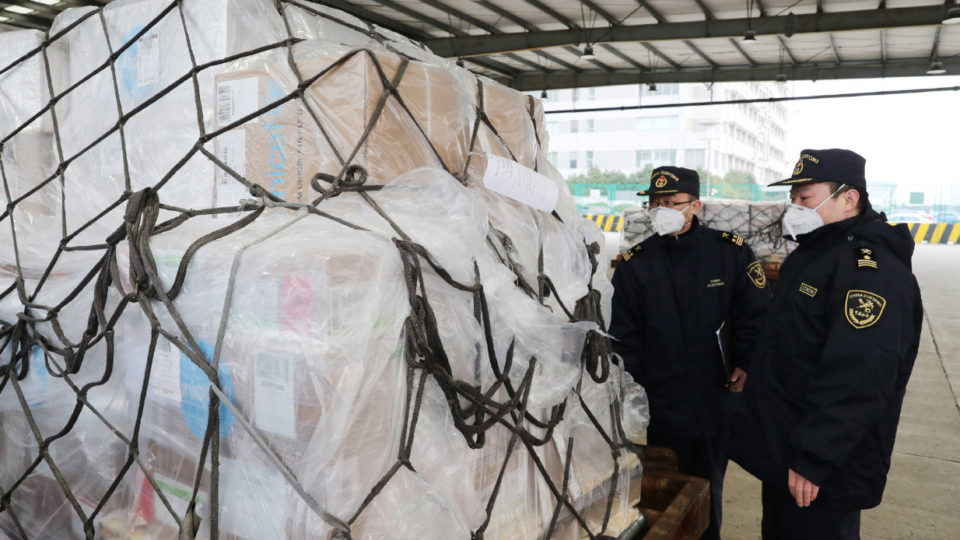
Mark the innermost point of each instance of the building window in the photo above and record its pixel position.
(573, 162)
(695, 158)
(656, 158)
(590, 125)
(552, 158)
(589, 158)
(592, 94)
(655, 123)
(574, 126)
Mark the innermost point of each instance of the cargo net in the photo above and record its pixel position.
(759, 223)
(254, 286)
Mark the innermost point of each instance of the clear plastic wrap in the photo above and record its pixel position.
(397, 350)
(757, 222)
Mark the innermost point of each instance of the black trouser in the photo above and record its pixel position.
(706, 458)
(784, 520)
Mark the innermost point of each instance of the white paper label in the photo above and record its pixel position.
(236, 99)
(165, 377)
(273, 394)
(232, 150)
(148, 60)
(519, 183)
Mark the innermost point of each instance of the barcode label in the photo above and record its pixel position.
(224, 104)
(148, 60)
(236, 99)
(273, 394)
(232, 150)
(165, 376)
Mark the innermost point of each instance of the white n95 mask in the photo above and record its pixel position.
(799, 220)
(667, 221)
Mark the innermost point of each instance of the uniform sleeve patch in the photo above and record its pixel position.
(863, 308)
(756, 274)
(632, 251)
(735, 239)
(866, 258)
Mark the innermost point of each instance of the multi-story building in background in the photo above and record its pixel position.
(746, 137)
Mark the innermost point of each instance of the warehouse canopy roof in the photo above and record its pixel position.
(543, 44)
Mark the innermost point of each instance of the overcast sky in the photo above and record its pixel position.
(909, 139)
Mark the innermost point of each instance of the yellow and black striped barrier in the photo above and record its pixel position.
(934, 233)
(607, 222)
(923, 233)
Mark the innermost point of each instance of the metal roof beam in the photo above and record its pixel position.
(783, 43)
(32, 20)
(914, 67)
(653, 11)
(492, 65)
(836, 52)
(716, 28)
(569, 24)
(614, 51)
(376, 18)
(657, 52)
(883, 46)
(700, 53)
(935, 52)
(706, 11)
(736, 45)
(602, 12)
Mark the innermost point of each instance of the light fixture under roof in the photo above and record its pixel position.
(543, 94)
(587, 53)
(19, 9)
(749, 37)
(781, 77)
(936, 68)
(953, 15)
(653, 88)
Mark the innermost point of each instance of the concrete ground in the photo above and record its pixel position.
(922, 498)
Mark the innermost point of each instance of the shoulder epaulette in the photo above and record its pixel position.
(632, 251)
(866, 258)
(734, 239)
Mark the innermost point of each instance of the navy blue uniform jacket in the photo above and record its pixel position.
(824, 397)
(671, 296)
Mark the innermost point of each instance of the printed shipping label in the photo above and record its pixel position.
(519, 183)
(236, 99)
(231, 149)
(165, 377)
(273, 394)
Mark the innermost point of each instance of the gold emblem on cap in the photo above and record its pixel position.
(864, 308)
(799, 168)
(662, 181)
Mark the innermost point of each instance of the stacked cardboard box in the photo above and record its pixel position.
(304, 319)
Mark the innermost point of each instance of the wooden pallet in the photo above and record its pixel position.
(675, 506)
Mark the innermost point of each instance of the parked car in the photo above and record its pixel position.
(910, 216)
(947, 217)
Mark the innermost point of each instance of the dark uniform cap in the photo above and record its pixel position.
(670, 180)
(832, 165)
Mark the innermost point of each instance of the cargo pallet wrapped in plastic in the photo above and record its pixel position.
(289, 275)
(757, 222)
